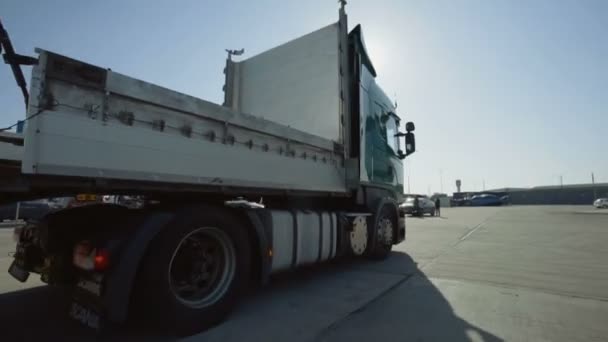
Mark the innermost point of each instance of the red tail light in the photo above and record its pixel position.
(89, 258)
(102, 260)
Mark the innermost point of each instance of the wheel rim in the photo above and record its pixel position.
(385, 231)
(202, 267)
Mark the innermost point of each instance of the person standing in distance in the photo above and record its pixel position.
(416, 210)
(437, 207)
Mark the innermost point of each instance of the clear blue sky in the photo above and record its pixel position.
(511, 92)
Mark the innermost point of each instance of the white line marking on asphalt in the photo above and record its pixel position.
(471, 232)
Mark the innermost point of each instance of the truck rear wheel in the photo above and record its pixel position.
(195, 271)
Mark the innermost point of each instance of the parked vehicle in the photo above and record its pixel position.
(58, 203)
(422, 206)
(457, 202)
(601, 203)
(313, 172)
(133, 202)
(485, 200)
(78, 200)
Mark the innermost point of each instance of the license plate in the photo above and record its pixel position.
(84, 315)
(17, 272)
(90, 286)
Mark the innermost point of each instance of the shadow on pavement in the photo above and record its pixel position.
(411, 310)
(40, 314)
(32, 313)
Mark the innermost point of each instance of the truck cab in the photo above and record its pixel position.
(381, 124)
(376, 125)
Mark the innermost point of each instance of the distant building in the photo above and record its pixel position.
(566, 194)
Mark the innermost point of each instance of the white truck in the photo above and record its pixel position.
(301, 164)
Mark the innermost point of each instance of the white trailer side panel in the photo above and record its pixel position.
(296, 84)
(91, 122)
(70, 146)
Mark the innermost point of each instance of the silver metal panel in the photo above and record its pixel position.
(8, 149)
(334, 236)
(326, 232)
(11, 137)
(114, 133)
(315, 238)
(308, 237)
(364, 112)
(30, 152)
(73, 146)
(282, 240)
(11, 152)
(198, 108)
(344, 81)
(295, 84)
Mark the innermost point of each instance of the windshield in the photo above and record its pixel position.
(391, 130)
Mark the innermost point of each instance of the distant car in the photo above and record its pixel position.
(57, 203)
(425, 206)
(29, 210)
(601, 203)
(485, 200)
(132, 202)
(457, 202)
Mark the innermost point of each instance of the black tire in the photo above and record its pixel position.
(169, 310)
(381, 248)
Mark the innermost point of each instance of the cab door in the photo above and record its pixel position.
(383, 162)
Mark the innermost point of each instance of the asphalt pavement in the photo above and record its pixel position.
(534, 273)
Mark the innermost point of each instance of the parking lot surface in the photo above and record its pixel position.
(533, 273)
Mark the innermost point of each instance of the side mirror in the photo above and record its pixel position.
(409, 127)
(410, 143)
(410, 140)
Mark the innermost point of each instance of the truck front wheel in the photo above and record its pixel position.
(384, 227)
(195, 271)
